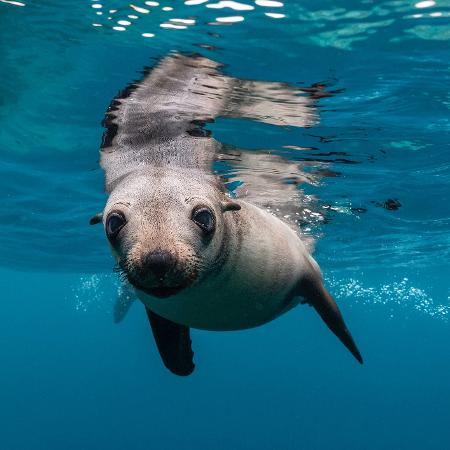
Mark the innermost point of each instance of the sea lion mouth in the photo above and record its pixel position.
(161, 291)
(160, 288)
(157, 291)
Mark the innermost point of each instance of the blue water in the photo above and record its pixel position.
(71, 378)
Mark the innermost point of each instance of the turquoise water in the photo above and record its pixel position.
(73, 378)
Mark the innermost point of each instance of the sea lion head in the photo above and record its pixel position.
(167, 231)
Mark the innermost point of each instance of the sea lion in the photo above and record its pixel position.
(196, 257)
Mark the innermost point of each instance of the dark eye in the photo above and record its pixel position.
(204, 218)
(114, 223)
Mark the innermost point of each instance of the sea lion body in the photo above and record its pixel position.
(196, 257)
(265, 259)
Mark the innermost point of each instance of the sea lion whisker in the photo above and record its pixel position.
(121, 269)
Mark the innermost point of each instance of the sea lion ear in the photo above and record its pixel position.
(229, 205)
(313, 291)
(96, 219)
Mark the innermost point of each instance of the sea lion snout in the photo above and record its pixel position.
(159, 262)
(159, 272)
(154, 268)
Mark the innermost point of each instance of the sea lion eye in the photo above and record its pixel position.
(114, 223)
(204, 218)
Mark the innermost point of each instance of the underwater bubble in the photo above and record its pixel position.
(89, 294)
(402, 294)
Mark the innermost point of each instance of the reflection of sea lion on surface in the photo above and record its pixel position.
(196, 257)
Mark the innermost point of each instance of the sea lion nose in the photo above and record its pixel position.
(159, 262)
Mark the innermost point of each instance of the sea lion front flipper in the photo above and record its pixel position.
(124, 301)
(315, 294)
(174, 344)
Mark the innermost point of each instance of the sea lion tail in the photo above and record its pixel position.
(315, 294)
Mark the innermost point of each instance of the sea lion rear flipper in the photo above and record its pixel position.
(174, 344)
(315, 294)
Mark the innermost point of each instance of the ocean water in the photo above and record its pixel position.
(376, 171)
